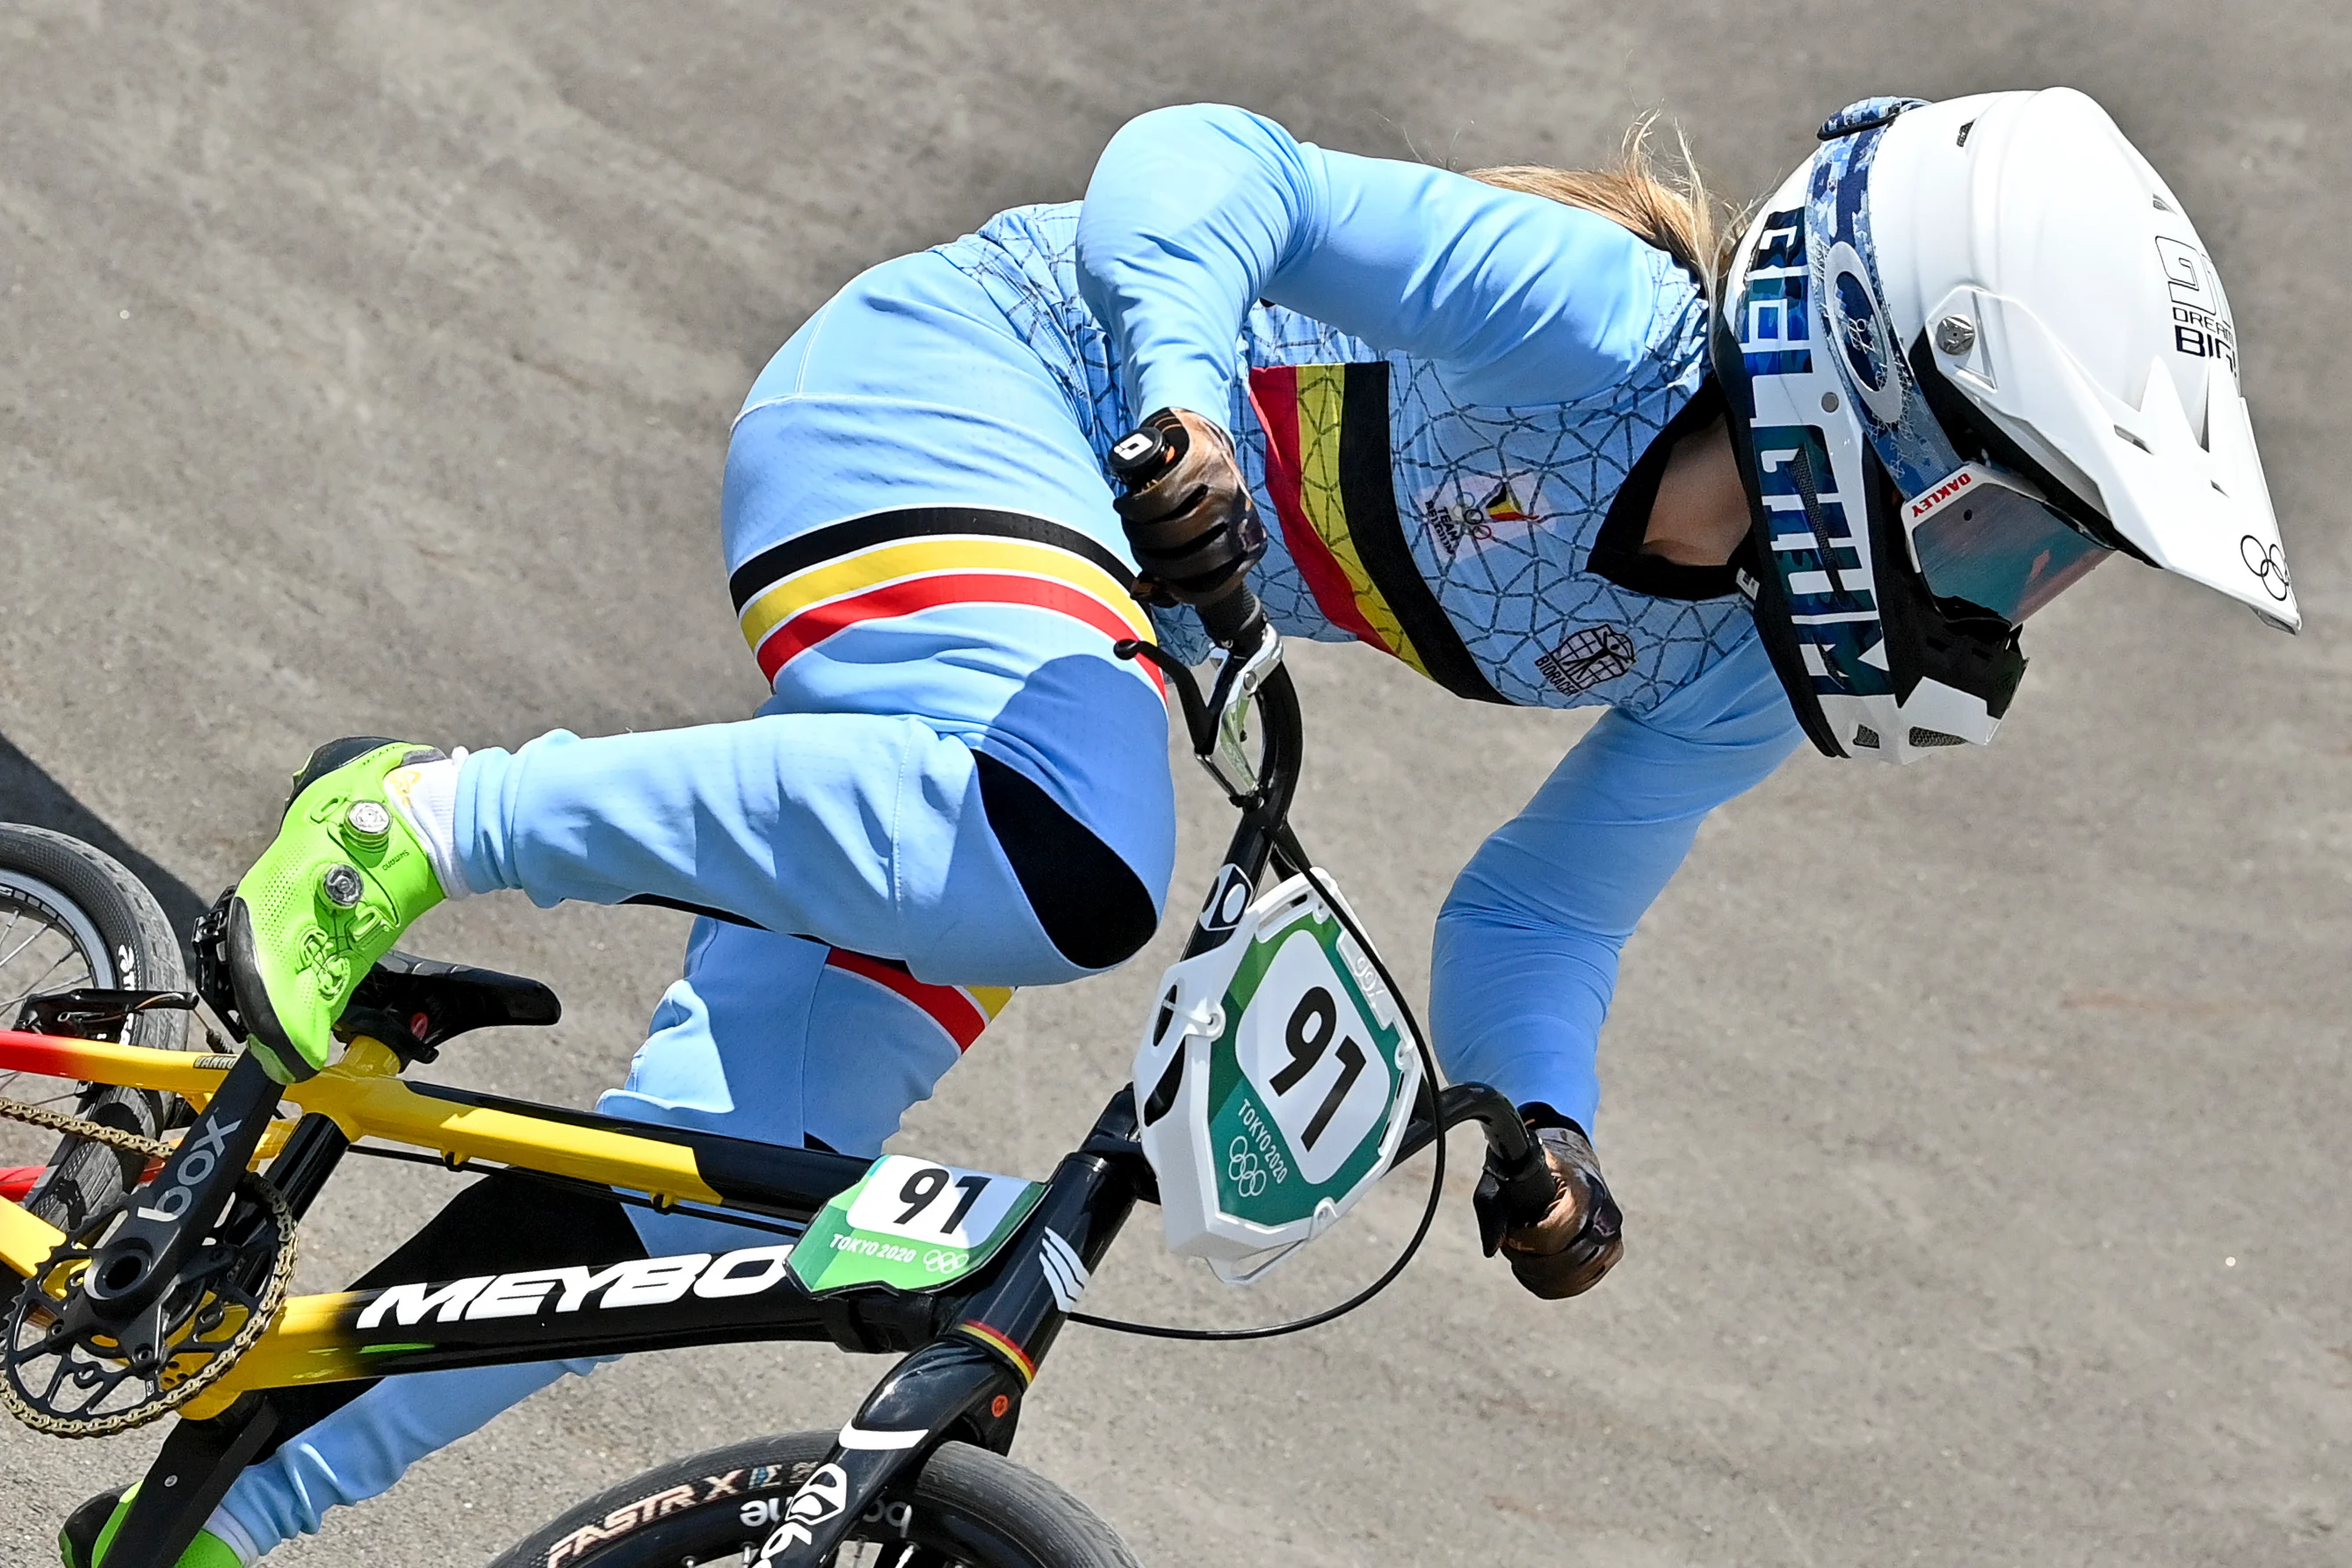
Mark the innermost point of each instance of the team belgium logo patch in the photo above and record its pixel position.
(1455, 521)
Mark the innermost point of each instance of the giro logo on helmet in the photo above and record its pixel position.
(2200, 319)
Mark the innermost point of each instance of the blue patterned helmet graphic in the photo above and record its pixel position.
(1823, 398)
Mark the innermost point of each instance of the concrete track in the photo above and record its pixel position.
(367, 368)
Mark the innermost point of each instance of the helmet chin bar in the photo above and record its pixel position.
(1766, 592)
(1954, 667)
(1951, 668)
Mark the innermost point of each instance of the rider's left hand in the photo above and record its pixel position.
(1567, 1251)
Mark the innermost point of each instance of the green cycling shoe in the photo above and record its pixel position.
(87, 1535)
(347, 874)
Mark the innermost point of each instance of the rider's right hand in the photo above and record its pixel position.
(1193, 529)
(345, 876)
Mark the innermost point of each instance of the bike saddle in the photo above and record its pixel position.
(418, 1004)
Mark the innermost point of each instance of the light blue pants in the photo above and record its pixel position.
(854, 812)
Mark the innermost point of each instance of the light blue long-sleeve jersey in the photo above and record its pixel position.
(1195, 213)
(1436, 387)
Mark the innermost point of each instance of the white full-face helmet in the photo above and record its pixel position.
(1970, 349)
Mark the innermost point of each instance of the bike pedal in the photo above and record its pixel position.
(78, 1541)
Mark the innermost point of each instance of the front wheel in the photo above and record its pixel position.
(969, 1506)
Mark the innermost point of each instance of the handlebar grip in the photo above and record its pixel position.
(1142, 456)
(1235, 621)
(1525, 1189)
(1145, 453)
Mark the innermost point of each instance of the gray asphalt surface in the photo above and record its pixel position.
(367, 368)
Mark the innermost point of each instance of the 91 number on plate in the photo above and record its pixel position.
(935, 1205)
(1327, 1088)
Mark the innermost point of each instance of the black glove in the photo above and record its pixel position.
(1567, 1251)
(1190, 521)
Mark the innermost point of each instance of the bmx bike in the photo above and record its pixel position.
(157, 1241)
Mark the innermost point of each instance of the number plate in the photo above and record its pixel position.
(1277, 1081)
(911, 1225)
(1301, 1075)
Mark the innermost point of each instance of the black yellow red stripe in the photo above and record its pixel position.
(790, 599)
(1330, 471)
(1001, 1342)
(962, 1012)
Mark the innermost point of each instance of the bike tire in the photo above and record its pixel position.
(108, 932)
(969, 1506)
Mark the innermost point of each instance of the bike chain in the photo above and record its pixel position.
(82, 1127)
(257, 1322)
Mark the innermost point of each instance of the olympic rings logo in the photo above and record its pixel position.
(2268, 563)
(937, 1261)
(1242, 1168)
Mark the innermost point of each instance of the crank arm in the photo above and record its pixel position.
(200, 1461)
(171, 1214)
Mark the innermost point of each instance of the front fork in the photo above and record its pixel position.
(967, 1384)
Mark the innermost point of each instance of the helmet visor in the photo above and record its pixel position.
(1979, 535)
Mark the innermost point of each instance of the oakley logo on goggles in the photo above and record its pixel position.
(1979, 535)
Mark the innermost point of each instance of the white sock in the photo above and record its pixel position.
(427, 796)
(233, 1535)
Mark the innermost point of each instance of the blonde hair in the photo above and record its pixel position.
(1669, 207)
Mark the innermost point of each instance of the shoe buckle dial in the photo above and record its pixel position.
(367, 825)
(342, 885)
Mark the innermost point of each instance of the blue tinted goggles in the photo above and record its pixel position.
(1982, 536)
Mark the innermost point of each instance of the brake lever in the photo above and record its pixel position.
(1239, 676)
(1199, 728)
(1217, 725)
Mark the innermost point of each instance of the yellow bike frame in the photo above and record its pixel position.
(312, 1338)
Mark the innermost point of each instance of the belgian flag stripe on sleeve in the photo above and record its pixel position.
(1368, 480)
(1331, 477)
(893, 565)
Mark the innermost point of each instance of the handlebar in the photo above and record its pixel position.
(1525, 1187)
(1236, 621)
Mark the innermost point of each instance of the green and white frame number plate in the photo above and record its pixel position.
(1305, 1075)
(911, 1225)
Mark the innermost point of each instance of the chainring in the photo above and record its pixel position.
(84, 1386)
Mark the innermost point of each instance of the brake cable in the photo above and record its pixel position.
(1119, 1325)
(1436, 1172)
